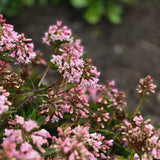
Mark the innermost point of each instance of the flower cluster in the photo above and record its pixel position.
(12, 81)
(141, 138)
(72, 143)
(101, 116)
(69, 57)
(56, 33)
(75, 101)
(109, 97)
(18, 143)
(4, 102)
(73, 118)
(146, 86)
(15, 45)
(4, 68)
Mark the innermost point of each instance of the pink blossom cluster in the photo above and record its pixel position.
(74, 101)
(73, 144)
(23, 143)
(68, 57)
(101, 117)
(12, 81)
(142, 138)
(15, 45)
(57, 33)
(4, 102)
(108, 96)
(146, 86)
(4, 68)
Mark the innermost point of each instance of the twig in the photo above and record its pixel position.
(137, 109)
(51, 85)
(44, 75)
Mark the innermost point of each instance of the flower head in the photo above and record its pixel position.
(146, 86)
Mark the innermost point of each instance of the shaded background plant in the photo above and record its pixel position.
(92, 10)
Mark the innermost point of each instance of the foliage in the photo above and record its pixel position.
(95, 9)
(92, 10)
(72, 118)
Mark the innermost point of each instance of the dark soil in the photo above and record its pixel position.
(124, 53)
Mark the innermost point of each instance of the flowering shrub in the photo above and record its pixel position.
(73, 118)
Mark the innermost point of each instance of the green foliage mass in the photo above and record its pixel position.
(92, 10)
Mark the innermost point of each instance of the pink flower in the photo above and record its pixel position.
(19, 120)
(25, 147)
(43, 133)
(4, 100)
(32, 155)
(15, 45)
(38, 140)
(138, 120)
(146, 86)
(29, 125)
(56, 32)
(136, 157)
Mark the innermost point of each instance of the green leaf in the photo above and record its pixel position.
(66, 125)
(146, 99)
(3, 4)
(84, 56)
(49, 151)
(55, 1)
(69, 86)
(52, 66)
(79, 3)
(113, 13)
(83, 120)
(33, 115)
(126, 1)
(42, 2)
(120, 158)
(94, 12)
(28, 3)
(6, 59)
(106, 131)
(41, 120)
(131, 156)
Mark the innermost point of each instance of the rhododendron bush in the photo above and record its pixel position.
(73, 118)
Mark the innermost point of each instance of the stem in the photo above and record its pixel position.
(111, 118)
(137, 109)
(44, 89)
(44, 75)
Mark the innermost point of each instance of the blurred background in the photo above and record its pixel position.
(121, 36)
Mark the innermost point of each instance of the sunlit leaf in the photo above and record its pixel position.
(66, 125)
(80, 3)
(120, 158)
(113, 13)
(94, 12)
